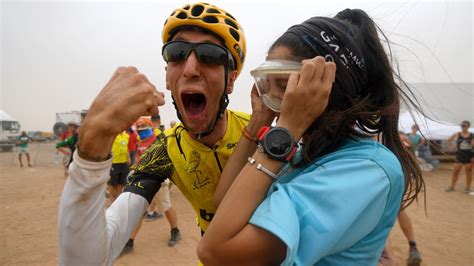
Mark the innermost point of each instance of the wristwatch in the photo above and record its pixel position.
(277, 143)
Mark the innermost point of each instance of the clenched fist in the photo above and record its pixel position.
(127, 96)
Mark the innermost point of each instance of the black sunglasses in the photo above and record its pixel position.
(207, 53)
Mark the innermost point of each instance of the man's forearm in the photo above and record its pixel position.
(88, 234)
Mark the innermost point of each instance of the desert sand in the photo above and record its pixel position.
(30, 196)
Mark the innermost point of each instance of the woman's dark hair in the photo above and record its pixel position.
(375, 111)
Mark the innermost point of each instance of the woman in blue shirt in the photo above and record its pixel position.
(334, 200)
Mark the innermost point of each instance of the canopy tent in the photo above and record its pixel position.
(429, 128)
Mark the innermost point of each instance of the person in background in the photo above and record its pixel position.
(162, 198)
(120, 165)
(463, 143)
(415, 139)
(22, 148)
(132, 144)
(157, 126)
(414, 255)
(404, 138)
(71, 128)
(424, 152)
(152, 213)
(67, 144)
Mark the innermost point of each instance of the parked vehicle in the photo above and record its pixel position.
(9, 131)
(63, 118)
(41, 136)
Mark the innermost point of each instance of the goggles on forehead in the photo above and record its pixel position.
(271, 79)
(206, 53)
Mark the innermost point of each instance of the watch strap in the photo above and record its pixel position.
(262, 132)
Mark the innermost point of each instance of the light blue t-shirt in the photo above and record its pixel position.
(337, 211)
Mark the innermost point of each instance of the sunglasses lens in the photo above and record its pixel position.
(210, 54)
(176, 51)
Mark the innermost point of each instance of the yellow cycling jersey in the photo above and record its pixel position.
(197, 167)
(120, 148)
(194, 167)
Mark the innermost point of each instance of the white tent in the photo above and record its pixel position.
(429, 128)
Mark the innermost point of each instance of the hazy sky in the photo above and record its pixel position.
(56, 56)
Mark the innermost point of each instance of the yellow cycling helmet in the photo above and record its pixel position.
(213, 19)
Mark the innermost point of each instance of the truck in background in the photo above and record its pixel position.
(9, 131)
(63, 118)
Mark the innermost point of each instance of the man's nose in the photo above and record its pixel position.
(191, 65)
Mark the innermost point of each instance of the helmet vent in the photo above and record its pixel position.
(197, 10)
(230, 16)
(182, 15)
(210, 19)
(213, 11)
(186, 7)
(234, 34)
(231, 23)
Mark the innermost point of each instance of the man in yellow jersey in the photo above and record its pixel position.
(204, 47)
(120, 165)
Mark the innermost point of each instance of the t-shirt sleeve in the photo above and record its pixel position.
(154, 167)
(336, 204)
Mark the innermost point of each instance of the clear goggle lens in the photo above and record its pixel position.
(271, 79)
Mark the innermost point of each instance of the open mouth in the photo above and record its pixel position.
(194, 103)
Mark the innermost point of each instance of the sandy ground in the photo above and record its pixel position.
(29, 202)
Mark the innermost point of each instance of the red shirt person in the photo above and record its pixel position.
(146, 135)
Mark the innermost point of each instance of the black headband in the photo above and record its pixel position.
(336, 42)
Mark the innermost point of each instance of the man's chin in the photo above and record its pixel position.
(196, 127)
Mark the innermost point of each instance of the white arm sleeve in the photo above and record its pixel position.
(88, 233)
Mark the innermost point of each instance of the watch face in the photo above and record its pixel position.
(278, 142)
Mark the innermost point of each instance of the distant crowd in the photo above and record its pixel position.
(461, 143)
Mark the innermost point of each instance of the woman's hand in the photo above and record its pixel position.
(261, 114)
(307, 95)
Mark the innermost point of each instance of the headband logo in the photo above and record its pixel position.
(344, 60)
